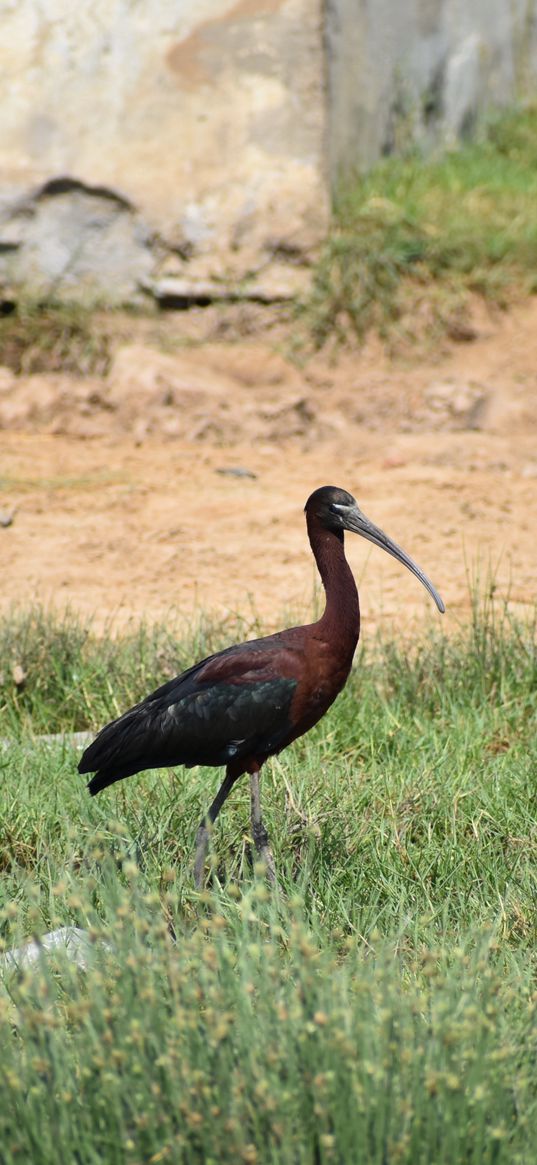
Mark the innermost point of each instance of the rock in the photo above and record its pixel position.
(71, 739)
(30, 400)
(154, 392)
(19, 675)
(7, 380)
(273, 285)
(393, 461)
(457, 405)
(289, 418)
(7, 517)
(236, 471)
(137, 371)
(71, 941)
(80, 241)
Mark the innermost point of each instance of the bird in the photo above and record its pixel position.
(244, 704)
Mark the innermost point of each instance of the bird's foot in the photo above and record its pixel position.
(262, 845)
(202, 845)
(259, 832)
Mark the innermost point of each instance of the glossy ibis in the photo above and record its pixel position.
(248, 702)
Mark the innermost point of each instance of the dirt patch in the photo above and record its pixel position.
(121, 508)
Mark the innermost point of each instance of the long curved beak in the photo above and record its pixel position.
(355, 521)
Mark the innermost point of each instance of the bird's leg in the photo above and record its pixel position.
(202, 836)
(259, 833)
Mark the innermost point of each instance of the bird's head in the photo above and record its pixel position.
(336, 510)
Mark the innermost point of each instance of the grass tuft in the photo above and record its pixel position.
(56, 675)
(414, 238)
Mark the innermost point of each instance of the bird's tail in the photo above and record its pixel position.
(114, 754)
(105, 777)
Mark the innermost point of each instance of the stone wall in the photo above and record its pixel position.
(184, 147)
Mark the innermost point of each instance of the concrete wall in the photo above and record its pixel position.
(182, 145)
(402, 71)
(143, 139)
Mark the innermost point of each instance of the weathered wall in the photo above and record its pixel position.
(170, 144)
(134, 134)
(421, 70)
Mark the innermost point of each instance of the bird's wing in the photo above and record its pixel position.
(230, 705)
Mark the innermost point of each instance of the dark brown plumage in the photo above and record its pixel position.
(244, 704)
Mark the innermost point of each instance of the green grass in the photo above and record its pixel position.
(425, 234)
(381, 1008)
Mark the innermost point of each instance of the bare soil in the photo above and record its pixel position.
(126, 501)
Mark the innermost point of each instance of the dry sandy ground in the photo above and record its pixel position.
(121, 509)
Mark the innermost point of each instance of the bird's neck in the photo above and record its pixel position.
(341, 619)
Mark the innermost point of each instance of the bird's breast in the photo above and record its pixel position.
(321, 681)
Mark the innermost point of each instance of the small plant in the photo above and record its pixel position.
(53, 337)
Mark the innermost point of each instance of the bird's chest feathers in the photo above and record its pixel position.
(324, 677)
